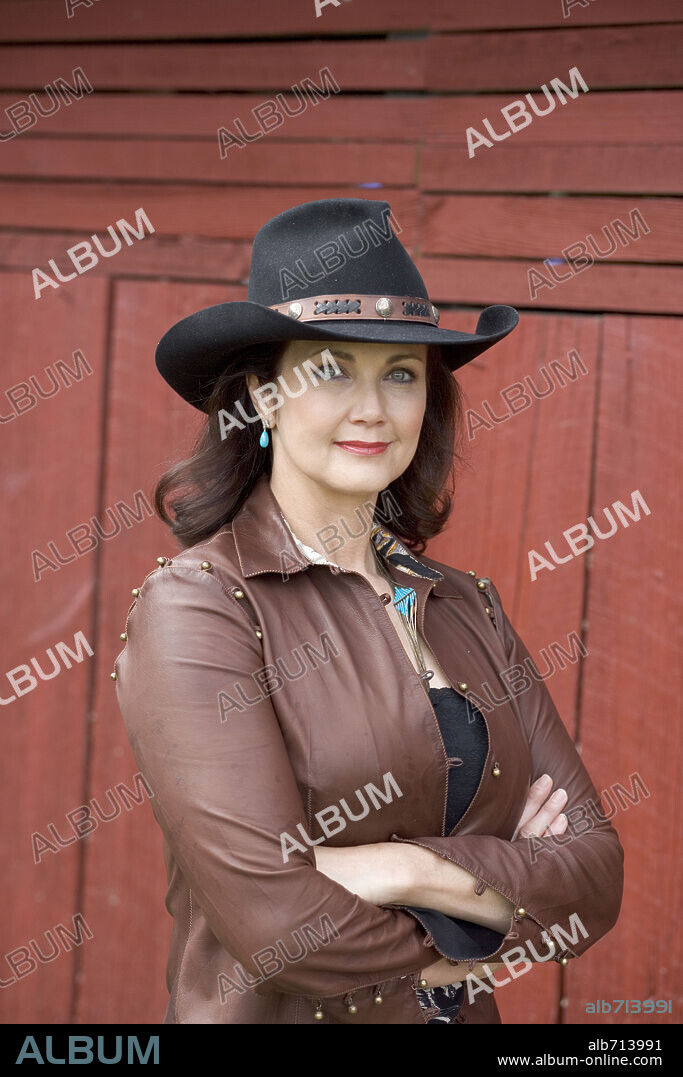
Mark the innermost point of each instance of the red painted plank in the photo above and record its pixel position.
(579, 169)
(631, 700)
(473, 15)
(51, 455)
(657, 117)
(172, 210)
(266, 162)
(542, 227)
(38, 20)
(634, 56)
(607, 58)
(149, 427)
(603, 286)
(476, 281)
(180, 257)
(357, 65)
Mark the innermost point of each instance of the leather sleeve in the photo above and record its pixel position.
(224, 793)
(576, 886)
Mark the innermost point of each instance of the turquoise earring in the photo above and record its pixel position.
(264, 440)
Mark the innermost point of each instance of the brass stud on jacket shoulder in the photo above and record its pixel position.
(496, 770)
(124, 635)
(238, 594)
(318, 1014)
(423, 983)
(483, 583)
(564, 961)
(520, 911)
(378, 999)
(112, 676)
(462, 686)
(162, 560)
(206, 565)
(352, 1008)
(135, 592)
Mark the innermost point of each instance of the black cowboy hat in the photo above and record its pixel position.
(326, 270)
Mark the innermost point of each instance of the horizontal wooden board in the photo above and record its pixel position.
(510, 60)
(42, 20)
(357, 65)
(268, 163)
(537, 226)
(561, 169)
(634, 56)
(644, 116)
(473, 15)
(174, 209)
(461, 281)
(594, 169)
(179, 257)
(603, 286)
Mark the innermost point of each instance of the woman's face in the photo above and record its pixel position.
(356, 430)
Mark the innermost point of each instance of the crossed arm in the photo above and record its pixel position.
(388, 873)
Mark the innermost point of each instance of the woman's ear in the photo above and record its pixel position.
(252, 385)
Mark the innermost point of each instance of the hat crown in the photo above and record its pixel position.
(333, 245)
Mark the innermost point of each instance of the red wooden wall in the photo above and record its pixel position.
(413, 78)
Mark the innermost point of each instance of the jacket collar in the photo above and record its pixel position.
(265, 543)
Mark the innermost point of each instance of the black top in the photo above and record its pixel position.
(465, 738)
(466, 742)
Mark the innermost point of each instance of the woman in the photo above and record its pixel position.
(352, 800)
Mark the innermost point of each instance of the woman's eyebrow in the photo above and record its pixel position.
(347, 355)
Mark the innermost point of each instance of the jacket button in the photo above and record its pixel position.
(423, 983)
(352, 1008)
(496, 770)
(462, 686)
(564, 960)
(206, 565)
(239, 594)
(520, 911)
(378, 999)
(259, 633)
(318, 1014)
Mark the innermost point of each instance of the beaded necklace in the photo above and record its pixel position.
(405, 603)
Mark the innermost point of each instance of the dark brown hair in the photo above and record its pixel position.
(206, 491)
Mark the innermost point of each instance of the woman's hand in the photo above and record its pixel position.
(541, 814)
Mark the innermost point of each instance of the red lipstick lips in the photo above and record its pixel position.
(364, 448)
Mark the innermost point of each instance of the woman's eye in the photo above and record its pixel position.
(327, 373)
(402, 370)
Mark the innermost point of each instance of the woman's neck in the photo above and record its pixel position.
(336, 526)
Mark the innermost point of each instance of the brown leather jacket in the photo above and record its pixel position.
(258, 690)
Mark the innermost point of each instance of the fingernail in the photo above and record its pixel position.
(544, 779)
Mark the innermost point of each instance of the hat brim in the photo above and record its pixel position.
(196, 350)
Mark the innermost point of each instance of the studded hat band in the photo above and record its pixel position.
(320, 308)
